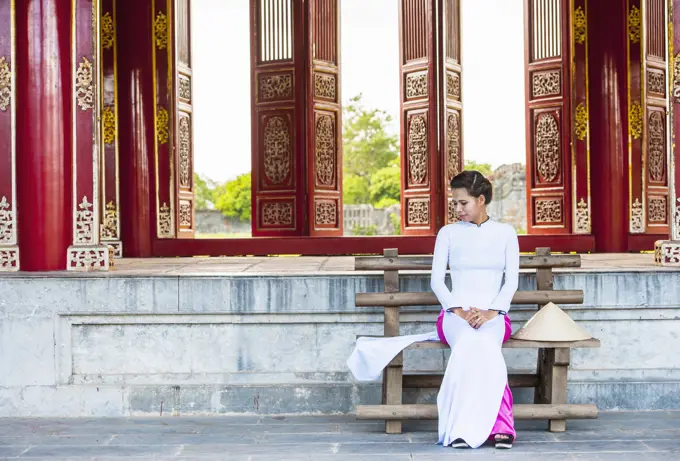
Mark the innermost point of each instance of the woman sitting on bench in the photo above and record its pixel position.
(474, 402)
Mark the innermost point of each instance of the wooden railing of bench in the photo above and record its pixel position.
(550, 379)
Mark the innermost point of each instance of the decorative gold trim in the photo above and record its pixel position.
(580, 26)
(160, 28)
(635, 119)
(109, 228)
(109, 124)
(85, 84)
(634, 24)
(162, 125)
(84, 223)
(108, 31)
(581, 119)
(5, 84)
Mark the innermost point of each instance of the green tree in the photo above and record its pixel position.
(385, 187)
(233, 198)
(370, 156)
(484, 168)
(203, 192)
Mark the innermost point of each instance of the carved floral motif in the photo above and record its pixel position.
(418, 212)
(656, 82)
(667, 253)
(451, 214)
(277, 214)
(581, 122)
(657, 210)
(84, 223)
(416, 85)
(547, 144)
(6, 222)
(108, 31)
(277, 149)
(9, 259)
(185, 214)
(637, 218)
(453, 85)
(276, 86)
(548, 211)
(326, 213)
(580, 25)
(5, 84)
(162, 125)
(85, 85)
(582, 217)
(161, 30)
(165, 228)
(546, 83)
(185, 88)
(453, 145)
(635, 119)
(656, 147)
(185, 151)
(676, 79)
(417, 149)
(109, 228)
(109, 125)
(325, 150)
(634, 24)
(324, 86)
(88, 258)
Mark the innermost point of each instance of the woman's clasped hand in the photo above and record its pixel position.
(475, 317)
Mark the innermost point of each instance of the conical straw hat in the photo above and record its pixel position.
(551, 324)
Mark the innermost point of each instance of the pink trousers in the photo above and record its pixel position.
(505, 422)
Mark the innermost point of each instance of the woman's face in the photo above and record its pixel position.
(467, 207)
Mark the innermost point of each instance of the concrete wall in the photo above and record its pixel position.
(109, 345)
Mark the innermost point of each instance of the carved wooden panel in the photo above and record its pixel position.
(657, 210)
(278, 71)
(418, 212)
(326, 30)
(416, 85)
(326, 213)
(182, 120)
(325, 86)
(417, 150)
(451, 18)
(325, 150)
(555, 38)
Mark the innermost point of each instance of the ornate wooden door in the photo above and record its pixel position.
(183, 146)
(548, 115)
(648, 199)
(278, 117)
(421, 195)
(324, 141)
(451, 123)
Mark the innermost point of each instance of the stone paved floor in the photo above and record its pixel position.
(614, 436)
(308, 265)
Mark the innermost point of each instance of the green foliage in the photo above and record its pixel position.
(370, 157)
(203, 192)
(233, 198)
(484, 168)
(355, 190)
(395, 219)
(365, 230)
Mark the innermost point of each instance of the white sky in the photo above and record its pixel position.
(493, 77)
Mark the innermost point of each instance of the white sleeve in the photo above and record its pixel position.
(504, 298)
(440, 262)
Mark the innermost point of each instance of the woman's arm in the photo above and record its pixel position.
(511, 282)
(440, 261)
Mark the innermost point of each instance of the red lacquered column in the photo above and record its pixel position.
(136, 125)
(43, 138)
(608, 129)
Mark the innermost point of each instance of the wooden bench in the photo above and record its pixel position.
(550, 380)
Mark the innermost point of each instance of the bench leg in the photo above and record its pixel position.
(552, 388)
(392, 393)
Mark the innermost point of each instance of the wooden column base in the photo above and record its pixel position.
(667, 253)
